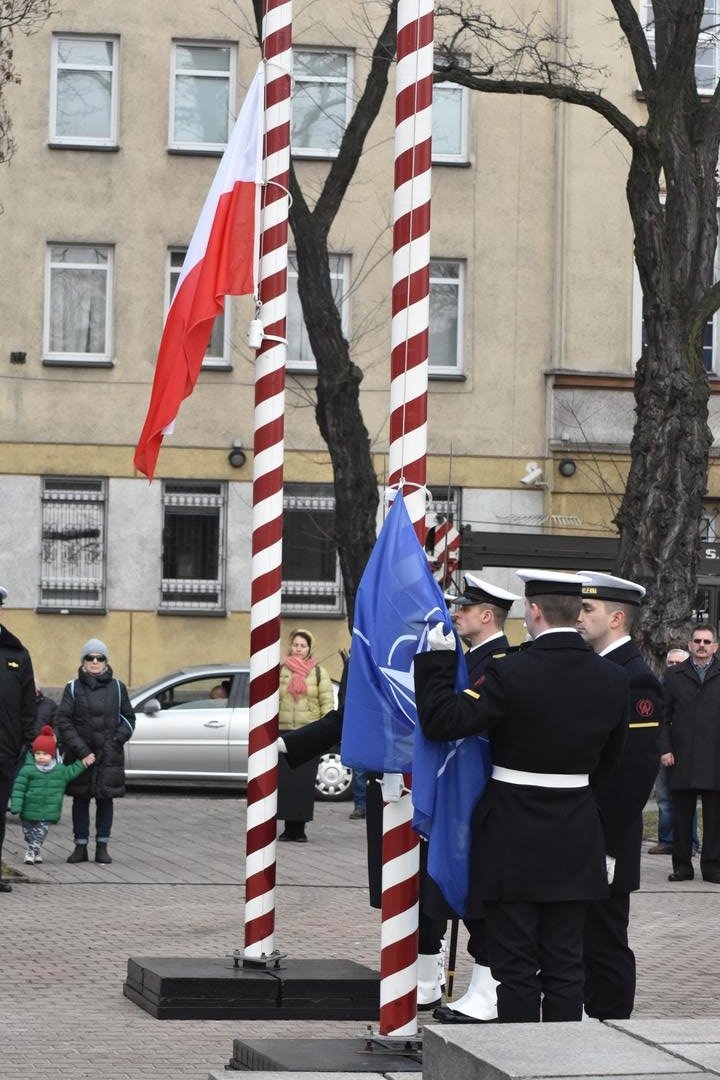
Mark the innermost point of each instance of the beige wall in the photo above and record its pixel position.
(538, 215)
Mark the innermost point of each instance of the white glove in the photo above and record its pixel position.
(282, 748)
(438, 640)
(610, 867)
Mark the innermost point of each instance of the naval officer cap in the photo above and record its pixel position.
(477, 591)
(597, 586)
(3, 595)
(551, 583)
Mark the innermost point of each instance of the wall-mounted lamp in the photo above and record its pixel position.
(567, 467)
(18, 357)
(237, 456)
(533, 475)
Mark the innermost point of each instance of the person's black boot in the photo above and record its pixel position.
(79, 854)
(101, 853)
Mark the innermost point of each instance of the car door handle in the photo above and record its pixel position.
(213, 723)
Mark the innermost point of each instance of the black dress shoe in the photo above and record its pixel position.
(680, 876)
(5, 886)
(445, 1015)
(711, 879)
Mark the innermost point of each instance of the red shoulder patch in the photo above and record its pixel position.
(645, 707)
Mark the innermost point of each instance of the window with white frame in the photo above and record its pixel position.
(72, 561)
(299, 354)
(193, 546)
(322, 82)
(201, 95)
(707, 57)
(446, 317)
(311, 569)
(78, 303)
(449, 123)
(218, 352)
(710, 334)
(83, 91)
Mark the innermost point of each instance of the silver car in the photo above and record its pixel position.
(192, 728)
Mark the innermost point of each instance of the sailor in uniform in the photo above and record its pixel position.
(554, 714)
(480, 613)
(609, 608)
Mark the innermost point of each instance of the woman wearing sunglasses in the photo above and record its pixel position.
(95, 717)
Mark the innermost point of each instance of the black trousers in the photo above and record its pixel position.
(6, 784)
(684, 804)
(609, 961)
(535, 951)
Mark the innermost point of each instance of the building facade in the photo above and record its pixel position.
(120, 119)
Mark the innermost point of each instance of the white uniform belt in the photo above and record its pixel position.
(540, 779)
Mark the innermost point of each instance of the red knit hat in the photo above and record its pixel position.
(45, 741)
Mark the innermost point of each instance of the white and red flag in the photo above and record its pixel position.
(221, 261)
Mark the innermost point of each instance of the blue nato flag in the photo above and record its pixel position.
(397, 602)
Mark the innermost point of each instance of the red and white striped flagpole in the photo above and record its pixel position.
(268, 447)
(408, 450)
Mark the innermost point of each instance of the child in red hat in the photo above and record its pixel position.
(39, 789)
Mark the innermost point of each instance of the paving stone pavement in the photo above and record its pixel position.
(175, 888)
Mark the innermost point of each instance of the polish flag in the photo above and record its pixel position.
(221, 260)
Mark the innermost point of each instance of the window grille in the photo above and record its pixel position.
(72, 573)
(311, 569)
(193, 555)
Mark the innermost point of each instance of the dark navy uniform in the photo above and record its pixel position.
(609, 960)
(538, 851)
(477, 659)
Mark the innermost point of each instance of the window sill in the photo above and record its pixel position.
(194, 151)
(51, 361)
(111, 148)
(313, 155)
(216, 365)
(450, 376)
(205, 613)
(79, 610)
(301, 370)
(459, 164)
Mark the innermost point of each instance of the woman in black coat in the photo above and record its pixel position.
(95, 716)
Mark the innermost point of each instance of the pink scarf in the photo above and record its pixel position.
(297, 685)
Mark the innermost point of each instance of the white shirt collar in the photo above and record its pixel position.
(492, 637)
(557, 630)
(615, 645)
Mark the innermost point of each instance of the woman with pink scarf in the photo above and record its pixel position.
(306, 694)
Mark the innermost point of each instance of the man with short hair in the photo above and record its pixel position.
(609, 608)
(662, 787)
(690, 744)
(554, 713)
(18, 716)
(481, 611)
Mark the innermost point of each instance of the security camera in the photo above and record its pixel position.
(533, 474)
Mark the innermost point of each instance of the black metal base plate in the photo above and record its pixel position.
(179, 988)
(319, 1055)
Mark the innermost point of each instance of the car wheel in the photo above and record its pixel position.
(334, 780)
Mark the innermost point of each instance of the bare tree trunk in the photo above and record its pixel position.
(661, 510)
(337, 409)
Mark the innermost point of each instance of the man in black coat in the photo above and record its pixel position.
(609, 607)
(554, 713)
(480, 614)
(690, 744)
(18, 715)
